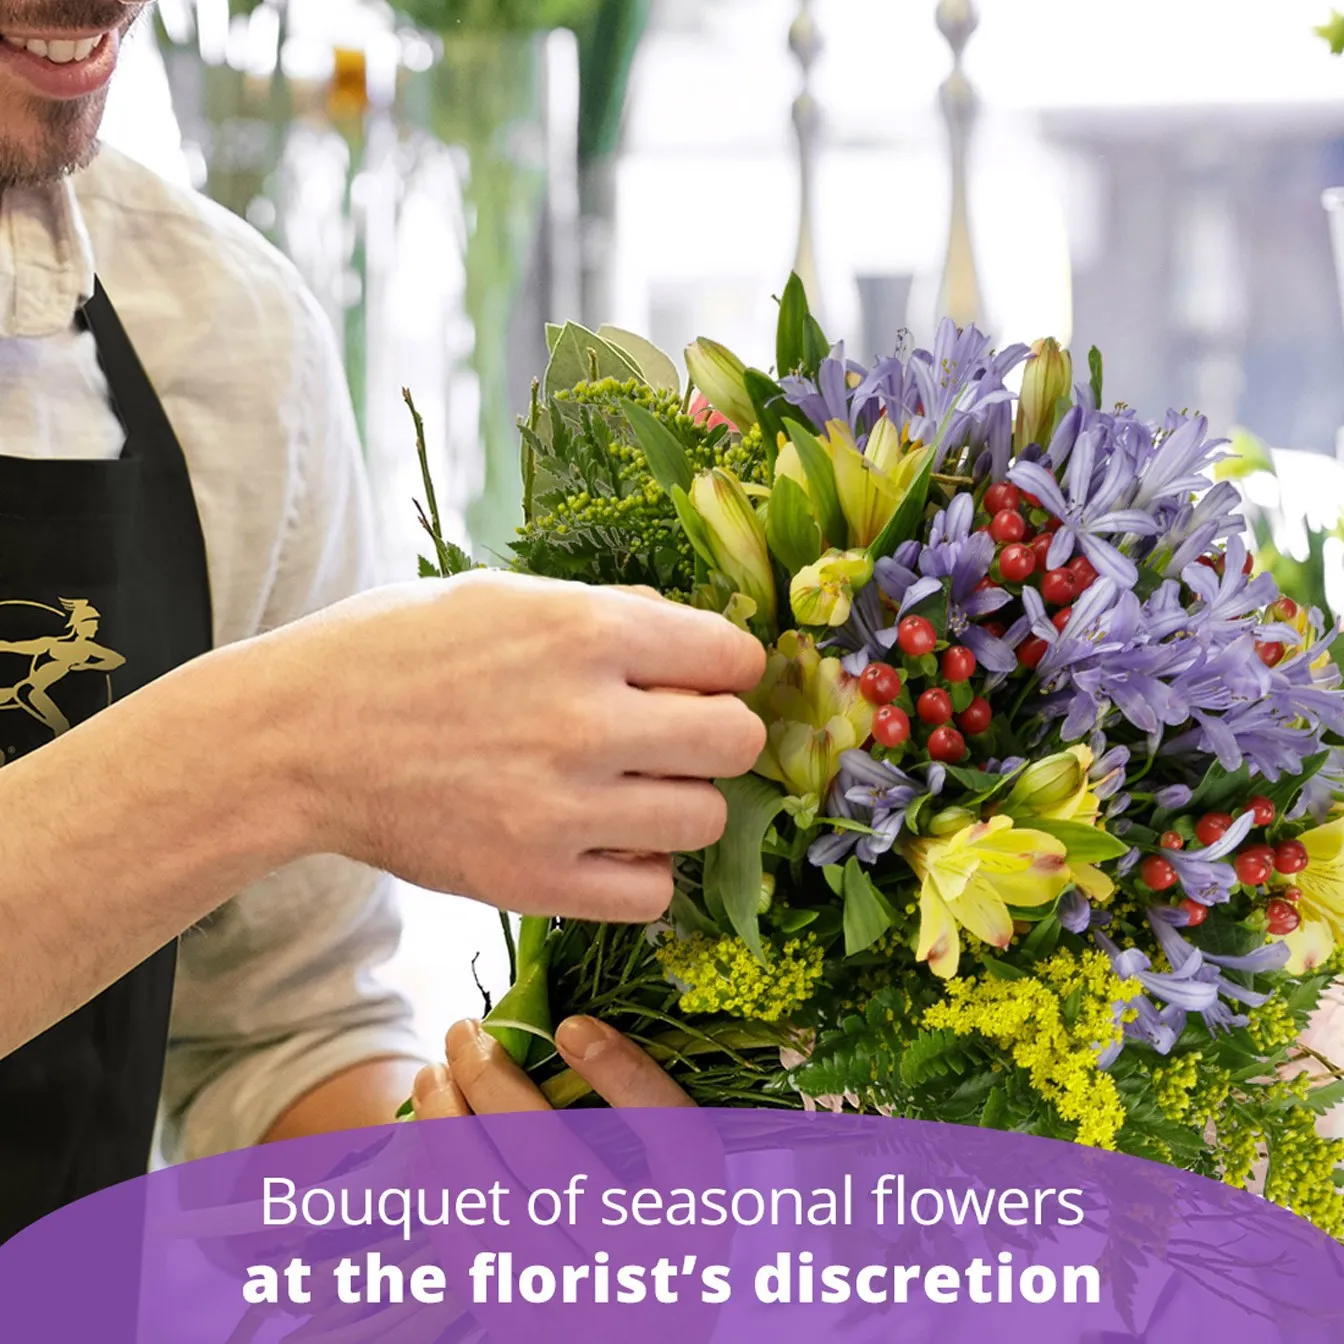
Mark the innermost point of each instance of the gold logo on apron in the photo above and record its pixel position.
(70, 647)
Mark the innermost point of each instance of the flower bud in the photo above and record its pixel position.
(721, 376)
(949, 821)
(1048, 380)
(823, 593)
(736, 537)
(767, 896)
(1047, 784)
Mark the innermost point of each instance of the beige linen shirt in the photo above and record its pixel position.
(279, 989)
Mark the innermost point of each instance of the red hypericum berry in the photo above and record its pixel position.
(1293, 894)
(1007, 526)
(916, 636)
(1195, 914)
(1031, 650)
(1032, 500)
(1282, 918)
(1262, 808)
(1052, 524)
(958, 664)
(891, 726)
(995, 628)
(1083, 571)
(1270, 654)
(1004, 495)
(1290, 857)
(1252, 869)
(1172, 840)
(880, 683)
(1061, 618)
(1265, 852)
(1157, 873)
(976, 717)
(984, 584)
(1017, 563)
(934, 706)
(1057, 587)
(1284, 609)
(1040, 550)
(1210, 827)
(946, 744)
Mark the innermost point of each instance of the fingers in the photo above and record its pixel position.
(688, 736)
(667, 644)
(652, 816)
(615, 1067)
(436, 1096)
(489, 1081)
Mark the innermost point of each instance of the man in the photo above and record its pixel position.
(251, 742)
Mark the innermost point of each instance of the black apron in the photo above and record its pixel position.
(103, 588)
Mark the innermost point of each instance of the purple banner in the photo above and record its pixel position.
(679, 1226)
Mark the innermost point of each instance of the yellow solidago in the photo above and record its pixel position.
(1027, 1018)
(721, 975)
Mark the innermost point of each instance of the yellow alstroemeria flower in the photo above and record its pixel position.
(823, 594)
(1321, 883)
(813, 712)
(1058, 789)
(971, 878)
(872, 481)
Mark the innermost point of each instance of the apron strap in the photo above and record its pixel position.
(132, 396)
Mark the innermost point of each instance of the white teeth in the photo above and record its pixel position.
(61, 51)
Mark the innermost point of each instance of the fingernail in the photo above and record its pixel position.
(582, 1039)
(431, 1082)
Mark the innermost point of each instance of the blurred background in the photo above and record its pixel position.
(1147, 176)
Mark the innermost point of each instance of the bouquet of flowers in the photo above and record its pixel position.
(1044, 837)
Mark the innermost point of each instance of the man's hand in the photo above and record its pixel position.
(479, 1078)
(496, 736)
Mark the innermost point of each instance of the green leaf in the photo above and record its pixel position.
(406, 1110)
(867, 914)
(1043, 939)
(791, 921)
(767, 400)
(1001, 970)
(1095, 368)
(733, 865)
(428, 569)
(692, 524)
(573, 356)
(1326, 1097)
(961, 694)
(798, 338)
(553, 332)
(905, 522)
(790, 528)
(835, 877)
(656, 368)
(977, 781)
(667, 458)
(934, 1054)
(994, 1114)
(821, 484)
(1086, 844)
(689, 918)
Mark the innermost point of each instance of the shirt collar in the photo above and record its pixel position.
(46, 260)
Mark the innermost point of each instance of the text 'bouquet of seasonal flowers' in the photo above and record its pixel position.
(1044, 837)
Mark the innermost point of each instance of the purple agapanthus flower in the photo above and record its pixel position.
(1179, 953)
(1090, 510)
(878, 794)
(1180, 987)
(1202, 875)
